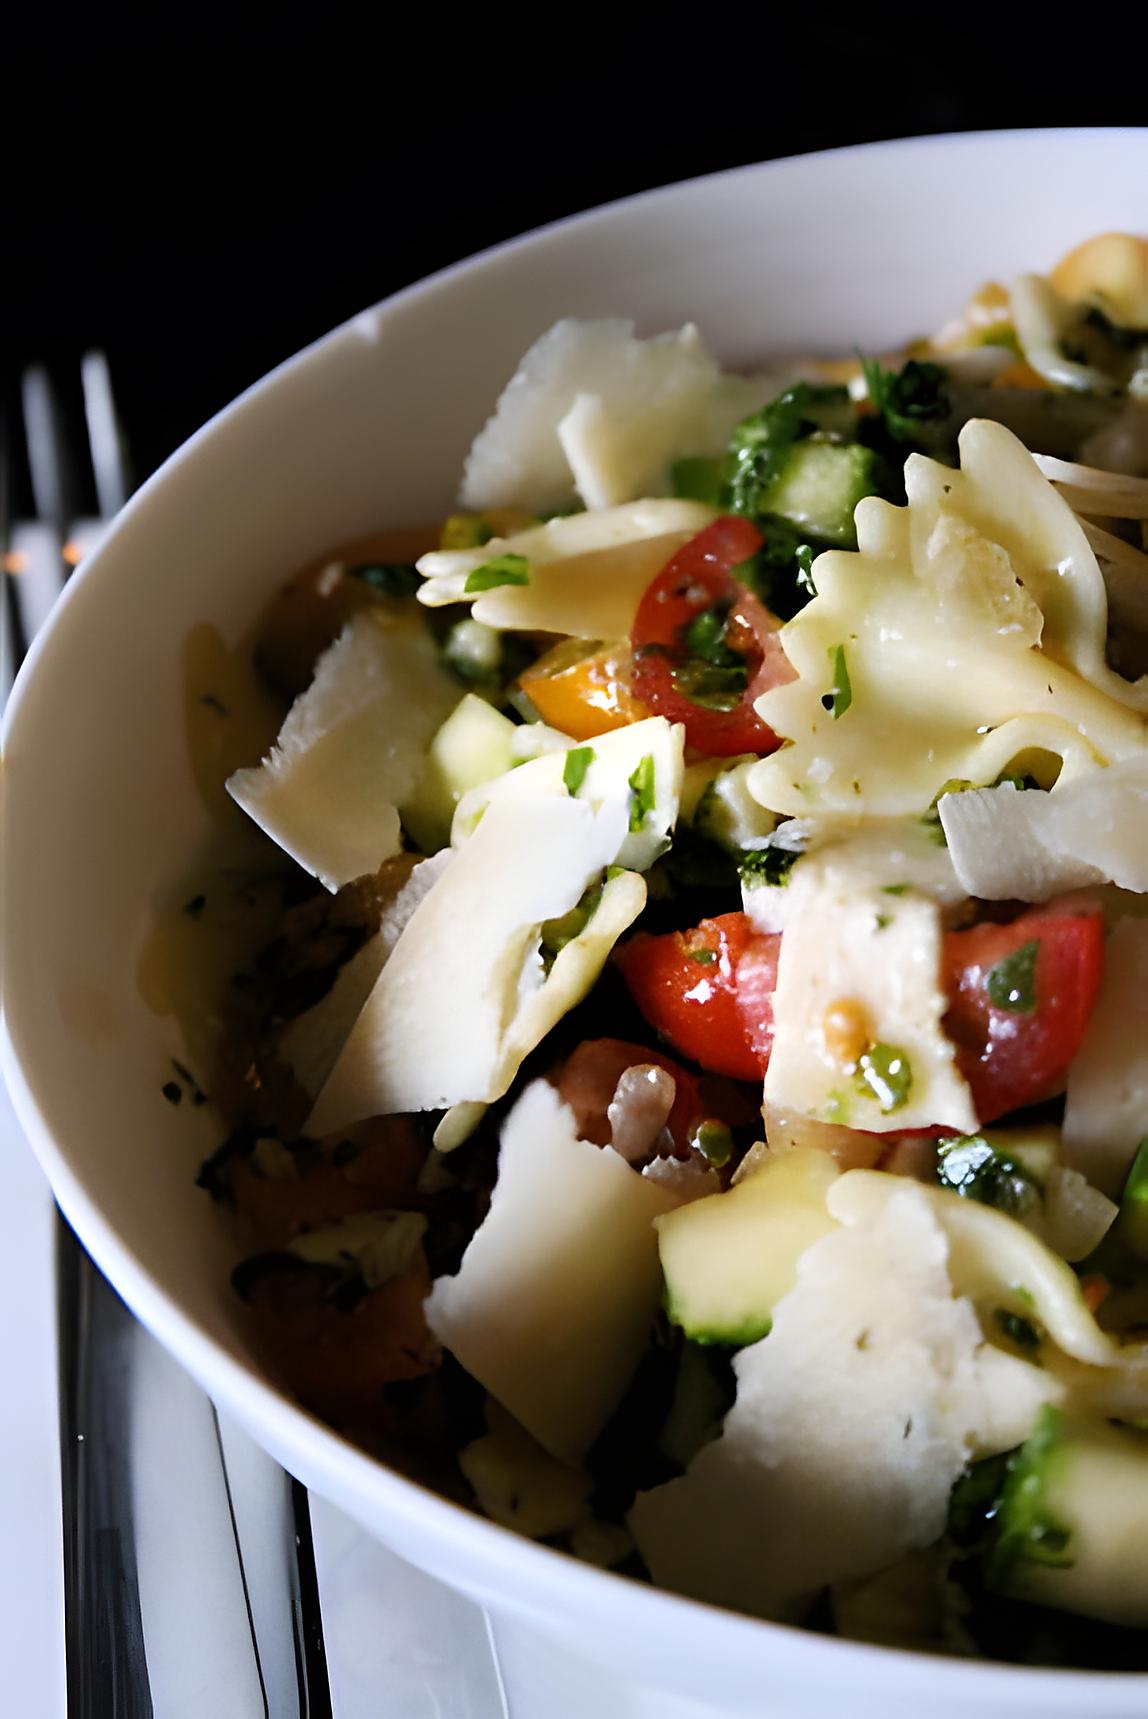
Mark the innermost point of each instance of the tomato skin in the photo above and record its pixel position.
(708, 992)
(1011, 1059)
(698, 577)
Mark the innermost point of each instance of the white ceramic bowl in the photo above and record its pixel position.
(368, 428)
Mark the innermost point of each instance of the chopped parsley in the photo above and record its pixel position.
(906, 398)
(1011, 984)
(703, 957)
(508, 569)
(969, 1165)
(883, 920)
(769, 865)
(840, 695)
(894, 888)
(577, 762)
(642, 789)
(884, 1073)
(388, 578)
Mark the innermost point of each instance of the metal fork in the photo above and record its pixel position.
(189, 1578)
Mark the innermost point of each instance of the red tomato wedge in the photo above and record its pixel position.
(709, 992)
(1020, 998)
(699, 580)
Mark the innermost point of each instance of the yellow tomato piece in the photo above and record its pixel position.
(1111, 269)
(583, 694)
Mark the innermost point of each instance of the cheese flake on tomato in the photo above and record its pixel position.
(852, 953)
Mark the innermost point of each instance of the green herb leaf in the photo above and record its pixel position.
(388, 578)
(894, 888)
(771, 865)
(703, 957)
(840, 695)
(575, 767)
(907, 398)
(1011, 984)
(642, 790)
(509, 569)
(884, 1073)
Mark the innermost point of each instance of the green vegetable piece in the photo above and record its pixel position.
(818, 486)
(578, 761)
(770, 865)
(840, 695)
(705, 637)
(894, 888)
(973, 1167)
(907, 398)
(704, 1392)
(1017, 1328)
(705, 480)
(713, 686)
(509, 569)
(884, 1073)
(760, 443)
(642, 791)
(804, 555)
(1133, 1220)
(474, 652)
(713, 1139)
(1026, 1531)
(703, 957)
(1011, 984)
(557, 933)
(388, 578)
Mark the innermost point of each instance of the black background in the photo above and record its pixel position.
(203, 193)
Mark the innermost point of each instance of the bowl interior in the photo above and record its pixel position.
(368, 429)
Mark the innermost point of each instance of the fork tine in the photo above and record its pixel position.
(105, 442)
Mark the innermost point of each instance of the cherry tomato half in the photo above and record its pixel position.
(709, 992)
(1020, 998)
(704, 646)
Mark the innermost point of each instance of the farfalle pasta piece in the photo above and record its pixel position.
(969, 629)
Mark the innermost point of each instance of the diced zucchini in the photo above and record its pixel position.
(474, 744)
(729, 1258)
(819, 486)
(728, 814)
(1073, 1521)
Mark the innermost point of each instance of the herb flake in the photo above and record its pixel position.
(840, 695)
(1011, 984)
(577, 763)
(508, 569)
(642, 792)
(884, 1073)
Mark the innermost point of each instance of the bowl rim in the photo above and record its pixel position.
(555, 1581)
